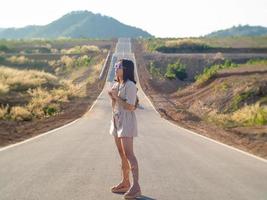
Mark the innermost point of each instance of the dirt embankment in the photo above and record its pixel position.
(15, 131)
(184, 103)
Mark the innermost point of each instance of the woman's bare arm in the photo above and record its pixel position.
(113, 103)
(124, 104)
(113, 100)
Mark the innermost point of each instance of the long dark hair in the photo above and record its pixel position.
(128, 70)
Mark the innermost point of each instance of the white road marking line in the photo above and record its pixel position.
(42, 134)
(226, 145)
(56, 129)
(210, 139)
(53, 130)
(39, 135)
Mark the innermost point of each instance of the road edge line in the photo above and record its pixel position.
(226, 145)
(210, 139)
(56, 129)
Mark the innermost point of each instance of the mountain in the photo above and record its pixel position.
(240, 30)
(77, 24)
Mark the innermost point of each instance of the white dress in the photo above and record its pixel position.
(123, 122)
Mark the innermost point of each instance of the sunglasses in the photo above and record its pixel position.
(118, 65)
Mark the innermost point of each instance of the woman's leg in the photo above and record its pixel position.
(127, 144)
(125, 167)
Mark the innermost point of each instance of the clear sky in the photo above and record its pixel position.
(167, 18)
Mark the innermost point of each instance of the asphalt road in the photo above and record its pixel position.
(80, 160)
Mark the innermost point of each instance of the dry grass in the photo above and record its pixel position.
(4, 111)
(67, 61)
(44, 101)
(66, 64)
(95, 72)
(19, 59)
(19, 80)
(178, 42)
(249, 115)
(81, 49)
(20, 113)
(4, 88)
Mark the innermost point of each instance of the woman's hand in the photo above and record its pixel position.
(114, 93)
(111, 95)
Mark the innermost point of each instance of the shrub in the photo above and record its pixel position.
(153, 44)
(4, 48)
(67, 61)
(209, 72)
(40, 99)
(257, 61)
(83, 61)
(249, 115)
(51, 109)
(19, 113)
(239, 98)
(18, 80)
(4, 111)
(176, 70)
(81, 49)
(88, 48)
(19, 59)
(71, 90)
(155, 71)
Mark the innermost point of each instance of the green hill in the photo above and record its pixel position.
(240, 30)
(77, 24)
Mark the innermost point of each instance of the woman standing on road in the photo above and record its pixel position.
(124, 125)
